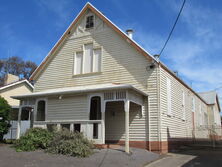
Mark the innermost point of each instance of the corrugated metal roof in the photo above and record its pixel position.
(80, 89)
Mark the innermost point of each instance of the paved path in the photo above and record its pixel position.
(191, 158)
(101, 158)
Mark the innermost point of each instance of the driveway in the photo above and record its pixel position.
(205, 157)
(101, 158)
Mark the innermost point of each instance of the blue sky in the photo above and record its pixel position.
(30, 28)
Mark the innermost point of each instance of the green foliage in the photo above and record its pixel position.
(35, 138)
(4, 117)
(56, 142)
(70, 143)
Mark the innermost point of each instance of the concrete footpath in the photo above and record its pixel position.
(191, 158)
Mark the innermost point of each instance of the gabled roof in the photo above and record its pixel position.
(210, 97)
(81, 89)
(17, 83)
(116, 29)
(66, 33)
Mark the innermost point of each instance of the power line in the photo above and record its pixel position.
(181, 9)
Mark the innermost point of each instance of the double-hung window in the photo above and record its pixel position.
(88, 60)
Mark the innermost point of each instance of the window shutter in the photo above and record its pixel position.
(169, 112)
(193, 104)
(200, 114)
(78, 63)
(97, 60)
(183, 106)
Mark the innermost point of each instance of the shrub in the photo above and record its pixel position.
(70, 143)
(35, 138)
(4, 117)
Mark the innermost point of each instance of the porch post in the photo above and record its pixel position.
(126, 107)
(103, 109)
(19, 123)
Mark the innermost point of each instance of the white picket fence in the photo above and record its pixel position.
(13, 129)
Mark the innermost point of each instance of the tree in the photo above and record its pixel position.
(13, 65)
(29, 68)
(16, 66)
(4, 117)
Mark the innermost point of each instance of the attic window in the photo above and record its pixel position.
(90, 21)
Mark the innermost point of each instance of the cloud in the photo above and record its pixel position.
(60, 8)
(194, 48)
(196, 57)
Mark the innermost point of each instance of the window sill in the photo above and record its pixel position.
(86, 74)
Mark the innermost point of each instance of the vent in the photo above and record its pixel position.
(121, 95)
(109, 96)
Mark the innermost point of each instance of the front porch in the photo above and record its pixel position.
(109, 111)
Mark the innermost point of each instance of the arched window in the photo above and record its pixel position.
(41, 105)
(95, 108)
(95, 114)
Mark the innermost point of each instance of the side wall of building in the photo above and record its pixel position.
(185, 116)
(13, 91)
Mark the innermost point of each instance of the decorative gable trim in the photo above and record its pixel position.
(67, 32)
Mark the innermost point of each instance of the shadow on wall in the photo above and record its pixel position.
(115, 120)
(175, 143)
(196, 151)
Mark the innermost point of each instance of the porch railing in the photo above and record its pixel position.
(92, 129)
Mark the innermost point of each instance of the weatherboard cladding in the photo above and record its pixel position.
(174, 127)
(115, 121)
(121, 63)
(68, 108)
(16, 89)
(99, 16)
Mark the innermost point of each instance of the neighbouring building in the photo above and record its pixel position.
(99, 81)
(13, 87)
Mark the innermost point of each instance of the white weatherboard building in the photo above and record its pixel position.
(13, 86)
(99, 81)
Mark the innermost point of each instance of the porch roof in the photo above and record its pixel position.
(81, 89)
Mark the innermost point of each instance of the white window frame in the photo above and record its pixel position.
(83, 60)
(94, 21)
(74, 63)
(169, 97)
(99, 62)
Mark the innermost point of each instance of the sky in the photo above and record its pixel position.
(30, 28)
